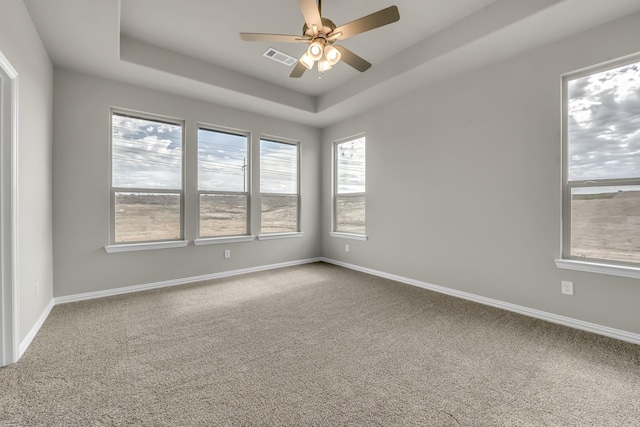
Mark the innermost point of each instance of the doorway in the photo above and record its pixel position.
(9, 333)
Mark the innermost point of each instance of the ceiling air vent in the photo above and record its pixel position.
(283, 58)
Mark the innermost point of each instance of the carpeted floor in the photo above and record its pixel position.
(314, 345)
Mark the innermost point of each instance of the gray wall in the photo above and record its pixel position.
(81, 189)
(21, 45)
(464, 184)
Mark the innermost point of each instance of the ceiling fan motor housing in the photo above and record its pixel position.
(327, 27)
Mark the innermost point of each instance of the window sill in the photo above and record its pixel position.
(132, 247)
(361, 237)
(220, 240)
(275, 236)
(595, 267)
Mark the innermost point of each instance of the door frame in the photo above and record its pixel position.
(9, 320)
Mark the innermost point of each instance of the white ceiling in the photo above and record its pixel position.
(192, 47)
(209, 32)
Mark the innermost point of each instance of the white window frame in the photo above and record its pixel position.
(114, 246)
(287, 234)
(334, 203)
(245, 237)
(567, 261)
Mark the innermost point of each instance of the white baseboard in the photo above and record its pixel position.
(24, 345)
(531, 312)
(175, 282)
(26, 342)
(538, 314)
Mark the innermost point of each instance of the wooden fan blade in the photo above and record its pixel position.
(278, 38)
(369, 22)
(298, 71)
(311, 13)
(352, 59)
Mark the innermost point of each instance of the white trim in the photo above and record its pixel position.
(26, 342)
(530, 312)
(24, 345)
(139, 115)
(568, 184)
(175, 282)
(538, 314)
(131, 247)
(9, 319)
(595, 267)
(219, 240)
(274, 236)
(361, 237)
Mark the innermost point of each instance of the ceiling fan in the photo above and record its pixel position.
(321, 33)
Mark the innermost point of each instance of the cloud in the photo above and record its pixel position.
(146, 154)
(222, 161)
(604, 125)
(577, 88)
(351, 166)
(278, 167)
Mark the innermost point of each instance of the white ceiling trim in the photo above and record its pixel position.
(85, 35)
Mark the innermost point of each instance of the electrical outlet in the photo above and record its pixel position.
(227, 253)
(346, 248)
(567, 288)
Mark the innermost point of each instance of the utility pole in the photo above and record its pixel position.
(244, 175)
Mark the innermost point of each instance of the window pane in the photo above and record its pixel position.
(222, 161)
(278, 167)
(350, 179)
(350, 214)
(223, 215)
(604, 124)
(143, 217)
(350, 166)
(605, 223)
(279, 214)
(146, 153)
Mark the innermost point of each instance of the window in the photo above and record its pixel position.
(146, 179)
(349, 190)
(223, 177)
(278, 187)
(602, 169)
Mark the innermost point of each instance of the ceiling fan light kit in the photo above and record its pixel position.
(321, 33)
(323, 65)
(316, 49)
(307, 61)
(332, 54)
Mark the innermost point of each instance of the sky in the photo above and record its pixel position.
(278, 167)
(350, 162)
(604, 125)
(148, 155)
(222, 161)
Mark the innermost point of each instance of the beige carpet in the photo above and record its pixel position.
(314, 345)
